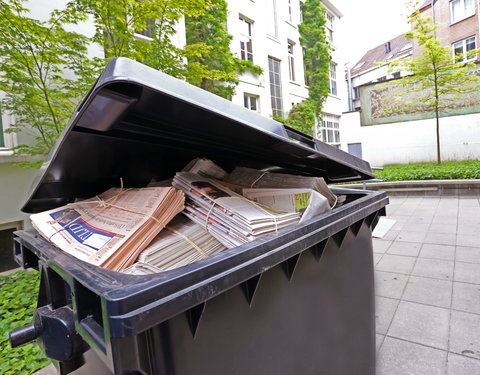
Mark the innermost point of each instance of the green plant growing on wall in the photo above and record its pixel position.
(44, 72)
(437, 79)
(211, 64)
(317, 58)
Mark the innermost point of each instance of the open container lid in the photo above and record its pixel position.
(139, 124)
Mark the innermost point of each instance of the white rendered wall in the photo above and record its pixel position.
(413, 141)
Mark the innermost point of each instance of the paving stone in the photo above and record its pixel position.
(465, 334)
(460, 365)
(384, 311)
(444, 220)
(404, 248)
(443, 228)
(409, 236)
(380, 246)
(397, 357)
(468, 240)
(435, 251)
(389, 284)
(467, 272)
(435, 268)
(469, 230)
(379, 341)
(466, 297)
(391, 235)
(396, 264)
(441, 238)
(467, 254)
(376, 258)
(429, 291)
(416, 227)
(422, 324)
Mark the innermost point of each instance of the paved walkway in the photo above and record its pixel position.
(427, 279)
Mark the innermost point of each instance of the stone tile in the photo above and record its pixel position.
(441, 238)
(435, 268)
(467, 272)
(465, 334)
(468, 254)
(429, 291)
(466, 297)
(397, 357)
(409, 236)
(443, 228)
(420, 220)
(444, 220)
(460, 365)
(391, 235)
(49, 370)
(396, 264)
(435, 251)
(468, 240)
(380, 246)
(379, 341)
(422, 324)
(376, 258)
(389, 284)
(404, 248)
(469, 230)
(416, 227)
(384, 311)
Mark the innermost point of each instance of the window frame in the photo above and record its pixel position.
(246, 39)
(329, 130)
(247, 101)
(333, 90)
(276, 97)
(464, 52)
(291, 60)
(465, 14)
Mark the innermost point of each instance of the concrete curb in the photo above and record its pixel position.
(434, 188)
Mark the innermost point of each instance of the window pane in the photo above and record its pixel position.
(470, 43)
(456, 10)
(253, 103)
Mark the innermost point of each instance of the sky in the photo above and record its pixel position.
(367, 24)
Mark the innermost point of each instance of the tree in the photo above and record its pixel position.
(118, 24)
(437, 79)
(211, 64)
(317, 58)
(44, 73)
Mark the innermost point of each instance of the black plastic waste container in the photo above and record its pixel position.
(298, 302)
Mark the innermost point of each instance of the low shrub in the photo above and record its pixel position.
(461, 170)
(18, 297)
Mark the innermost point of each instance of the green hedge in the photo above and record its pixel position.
(461, 170)
(18, 297)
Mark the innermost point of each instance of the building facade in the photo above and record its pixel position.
(265, 32)
(405, 137)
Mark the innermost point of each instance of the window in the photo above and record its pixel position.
(333, 79)
(460, 9)
(462, 48)
(272, 25)
(148, 32)
(291, 62)
(356, 93)
(251, 102)
(246, 51)
(275, 86)
(330, 130)
(396, 75)
(329, 25)
(290, 11)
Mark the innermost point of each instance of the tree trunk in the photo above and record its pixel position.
(438, 137)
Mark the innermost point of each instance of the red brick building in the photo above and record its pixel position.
(458, 23)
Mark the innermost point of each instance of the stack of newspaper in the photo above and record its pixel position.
(112, 229)
(252, 178)
(180, 243)
(229, 217)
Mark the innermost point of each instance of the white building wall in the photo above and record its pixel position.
(413, 141)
